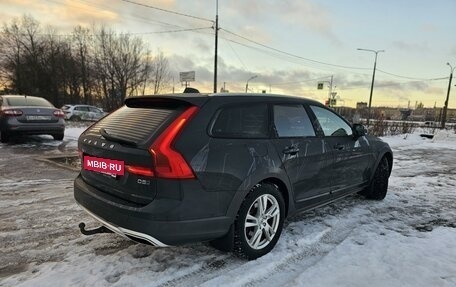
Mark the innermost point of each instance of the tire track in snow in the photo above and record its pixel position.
(279, 270)
(207, 272)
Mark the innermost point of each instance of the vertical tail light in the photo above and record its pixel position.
(169, 163)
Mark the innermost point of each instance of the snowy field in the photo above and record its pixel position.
(409, 239)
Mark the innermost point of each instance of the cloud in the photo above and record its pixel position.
(287, 81)
(304, 14)
(67, 13)
(312, 16)
(412, 47)
(453, 50)
(85, 13)
(429, 28)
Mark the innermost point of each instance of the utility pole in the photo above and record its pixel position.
(247, 83)
(373, 79)
(330, 91)
(216, 46)
(445, 108)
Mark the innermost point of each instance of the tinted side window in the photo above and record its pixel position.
(331, 123)
(95, 110)
(292, 121)
(248, 121)
(82, 109)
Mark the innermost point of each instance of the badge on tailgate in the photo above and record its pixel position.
(104, 165)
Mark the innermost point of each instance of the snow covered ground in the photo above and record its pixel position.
(409, 239)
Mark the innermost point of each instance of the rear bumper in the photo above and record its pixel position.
(126, 232)
(34, 128)
(141, 223)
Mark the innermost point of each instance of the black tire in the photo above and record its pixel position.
(378, 187)
(58, 137)
(75, 119)
(4, 137)
(244, 247)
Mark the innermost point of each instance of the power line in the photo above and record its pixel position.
(287, 58)
(132, 33)
(171, 31)
(412, 78)
(236, 54)
(380, 85)
(297, 82)
(167, 11)
(104, 8)
(293, 55)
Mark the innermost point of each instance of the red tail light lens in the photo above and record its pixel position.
(169, 163)
(12, 112)
(59, 113)
(138, 170)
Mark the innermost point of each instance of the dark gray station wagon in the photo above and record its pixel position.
(225, 168)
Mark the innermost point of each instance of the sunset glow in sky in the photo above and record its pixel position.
(303, 37)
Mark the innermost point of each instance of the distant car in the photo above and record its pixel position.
(30, 116)
(82, 113)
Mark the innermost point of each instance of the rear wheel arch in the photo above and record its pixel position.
(389, 157)
(282, 187)
(259, 221)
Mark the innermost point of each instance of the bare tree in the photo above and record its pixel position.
(16, 53)
(92, 65)
(160, 73)
(81, 44)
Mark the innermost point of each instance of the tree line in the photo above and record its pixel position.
(89, 66)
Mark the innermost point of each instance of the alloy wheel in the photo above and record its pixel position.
(262, 221)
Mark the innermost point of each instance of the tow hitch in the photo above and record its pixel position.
(97, 230)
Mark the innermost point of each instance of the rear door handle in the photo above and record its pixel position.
(291, 150)
(339, 146)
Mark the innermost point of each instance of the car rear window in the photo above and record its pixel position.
(133, 124)
(28, 101)
(247, 121)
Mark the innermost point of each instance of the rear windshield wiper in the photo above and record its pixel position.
(107, 136)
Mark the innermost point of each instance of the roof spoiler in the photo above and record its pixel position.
(165, 100)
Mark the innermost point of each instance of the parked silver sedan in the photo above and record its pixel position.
(30, 116)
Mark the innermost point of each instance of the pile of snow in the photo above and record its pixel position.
(441, 139)
(72, 134)
(444, 136)
(391, 260)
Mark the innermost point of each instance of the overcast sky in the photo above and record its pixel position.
(286, 42)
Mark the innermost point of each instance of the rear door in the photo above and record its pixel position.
(304, 156)
(124, 137)
(351, 156)
(82, 112)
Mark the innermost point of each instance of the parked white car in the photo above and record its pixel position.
(82, 113)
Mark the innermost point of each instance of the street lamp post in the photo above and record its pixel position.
(445, 108)
(247, 84)
(373, 79)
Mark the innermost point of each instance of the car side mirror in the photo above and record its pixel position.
(358, 130)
